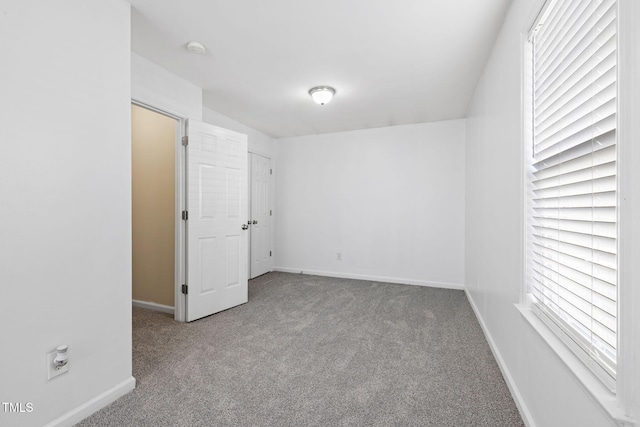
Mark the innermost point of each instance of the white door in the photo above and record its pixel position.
(260, 215)
(217, 236)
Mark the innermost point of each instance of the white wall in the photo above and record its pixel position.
(159, 88)
(258, 142)
(391, 200)
(548, 394)
(65, 210)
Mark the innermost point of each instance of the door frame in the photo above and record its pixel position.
(179, 304)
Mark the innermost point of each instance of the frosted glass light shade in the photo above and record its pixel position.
(322, 94)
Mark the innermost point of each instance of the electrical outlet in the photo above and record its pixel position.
(52, 370)
(339, 256)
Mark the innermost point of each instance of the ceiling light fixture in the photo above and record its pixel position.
(322, 94)
(195, 47)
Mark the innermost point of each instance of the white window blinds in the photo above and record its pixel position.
(573, 274)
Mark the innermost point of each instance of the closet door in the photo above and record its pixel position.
(217, 207)
(260, 215)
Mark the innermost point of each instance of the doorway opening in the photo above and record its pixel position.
(155, 237)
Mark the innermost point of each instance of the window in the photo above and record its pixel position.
(573, 256)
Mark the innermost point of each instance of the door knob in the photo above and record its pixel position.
(255, 222)
(245, 226)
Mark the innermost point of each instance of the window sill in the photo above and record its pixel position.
(587, 380)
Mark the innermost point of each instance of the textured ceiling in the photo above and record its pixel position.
(391, 62)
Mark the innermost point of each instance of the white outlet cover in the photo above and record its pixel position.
(52, 372)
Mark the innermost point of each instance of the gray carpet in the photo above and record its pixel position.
(317, 351)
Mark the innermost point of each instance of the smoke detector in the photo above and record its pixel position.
(196, 47)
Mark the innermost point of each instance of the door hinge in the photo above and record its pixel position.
(270, 212)
(270, 171)
(185, 289)
(269, 253)
(185, 215)
(185, 140)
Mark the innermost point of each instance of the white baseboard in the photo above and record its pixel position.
(371, 278)
(513, 388)
(100, 401)
(153, 306)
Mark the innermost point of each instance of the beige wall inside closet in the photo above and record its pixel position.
(153, 139)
